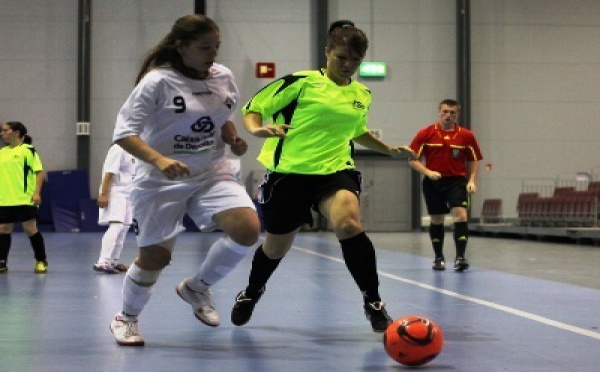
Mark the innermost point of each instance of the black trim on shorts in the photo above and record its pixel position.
(286, 200)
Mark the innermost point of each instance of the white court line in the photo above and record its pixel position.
(510, 310)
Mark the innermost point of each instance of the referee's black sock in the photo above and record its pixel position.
(5, 241)
(436, 234)
(461, 236)
(262, 269)
(360, 259)
(39, 249)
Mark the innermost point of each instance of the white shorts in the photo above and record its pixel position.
(119, 209)
(160, 205)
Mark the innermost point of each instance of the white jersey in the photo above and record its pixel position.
(123, 166)
(181, 118)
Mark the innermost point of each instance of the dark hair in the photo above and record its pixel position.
(185, 29)
(343, 32)
(17, 126)
(450, 102)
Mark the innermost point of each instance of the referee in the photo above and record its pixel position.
(452, 158)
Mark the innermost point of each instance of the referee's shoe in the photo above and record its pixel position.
(461, 264)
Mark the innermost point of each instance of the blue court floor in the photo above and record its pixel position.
(545, 317)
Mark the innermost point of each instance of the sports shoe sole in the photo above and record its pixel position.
(101, 270)
(134, 343)
(461, 267)
(439, 267)
(196, 315)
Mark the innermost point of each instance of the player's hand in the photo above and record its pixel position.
(172, 168)
(102, 201)
(272, 130)
(239, 146)
(36, 199)
(404, 151)
(433, 175)
(471, 188)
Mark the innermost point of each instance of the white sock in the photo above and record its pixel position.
(136, 296)
(109, 240)
(116, 254)
(222, 258)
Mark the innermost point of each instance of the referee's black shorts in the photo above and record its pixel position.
(17, 213)
(286, 199)
(444, 194)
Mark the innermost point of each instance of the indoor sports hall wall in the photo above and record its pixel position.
(535, 72)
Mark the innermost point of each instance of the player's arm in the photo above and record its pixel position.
(105, 189)
(137, 147)
(36, 198)
(369, 141)
(230, 136)
(253, 123)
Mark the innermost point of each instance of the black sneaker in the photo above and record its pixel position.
(244, 305)
(439, 264)
(3, 267)
(461, 264)
(379, 318)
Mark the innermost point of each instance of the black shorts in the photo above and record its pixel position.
(444, 194)
(286, 199)
(18, 213)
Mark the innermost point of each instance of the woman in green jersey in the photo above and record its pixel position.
(21, 178)
(313, 118)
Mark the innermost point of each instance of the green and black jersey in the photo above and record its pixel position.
(18, 168)
(326, 118)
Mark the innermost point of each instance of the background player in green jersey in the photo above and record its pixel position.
(21, 178)
(313, 118)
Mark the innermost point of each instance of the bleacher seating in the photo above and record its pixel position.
(564, 190)
(567, 207)
(491, 212)
(594, 185)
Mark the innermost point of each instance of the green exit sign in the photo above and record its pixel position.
(372, 69)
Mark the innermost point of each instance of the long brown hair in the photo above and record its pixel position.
(185, 29)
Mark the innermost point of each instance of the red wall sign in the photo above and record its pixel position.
(265, 70)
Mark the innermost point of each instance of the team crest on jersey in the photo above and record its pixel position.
(455, 153)
(359, 105)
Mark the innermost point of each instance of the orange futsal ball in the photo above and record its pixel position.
(413, 340)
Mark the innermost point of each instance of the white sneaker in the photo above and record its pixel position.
(126, 331)
(202, 303)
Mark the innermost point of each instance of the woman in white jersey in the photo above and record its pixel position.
(178, 122)
(115, 209)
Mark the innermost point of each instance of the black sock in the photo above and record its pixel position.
(262, 269)
(461, 236)
(5, 241)
(39, 249)
(360, 259)
(436, 234)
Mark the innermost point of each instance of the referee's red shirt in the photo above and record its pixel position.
(446, 151)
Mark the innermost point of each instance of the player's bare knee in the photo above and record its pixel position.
(347, 227)
(153, 257)
(246, 237)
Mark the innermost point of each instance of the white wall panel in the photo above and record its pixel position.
(536, 89)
